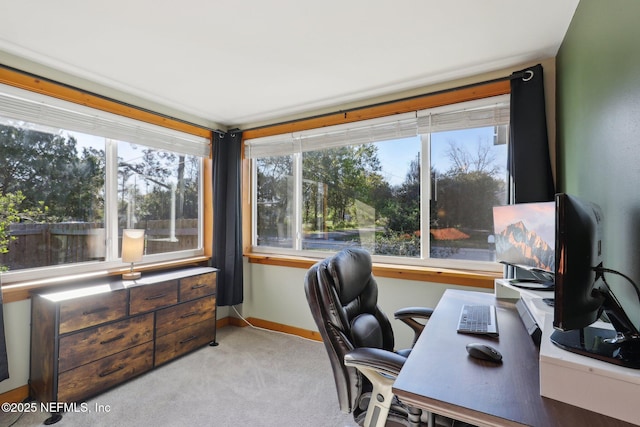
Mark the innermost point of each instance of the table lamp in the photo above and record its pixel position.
(132, 249)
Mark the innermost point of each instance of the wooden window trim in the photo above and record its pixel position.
(476, 279)
(21, 291)
(22, 80)
(53, 89)
(439, 99)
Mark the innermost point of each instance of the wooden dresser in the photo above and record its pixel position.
(92, 336)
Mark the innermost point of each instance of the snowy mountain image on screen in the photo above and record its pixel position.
(517, 245)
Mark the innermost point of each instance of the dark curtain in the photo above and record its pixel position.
(529, 162)
(227, 218)
(4, 362)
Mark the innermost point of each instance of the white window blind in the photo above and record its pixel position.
(480, 113)
(276, 145)
(25, 106)
(474, 114)
(362, 132)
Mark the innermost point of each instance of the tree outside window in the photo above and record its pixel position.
(370, 195)
(53, 187)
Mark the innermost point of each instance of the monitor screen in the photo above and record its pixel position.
(525, 235)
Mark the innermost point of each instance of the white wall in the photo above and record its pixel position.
(17, 329)
(276, 294)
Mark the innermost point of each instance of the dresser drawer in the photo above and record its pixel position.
(86, 346)
(150, 297)
(184, 340)
(95, 377)
(80, 313)
(197, 286)
(173, 318)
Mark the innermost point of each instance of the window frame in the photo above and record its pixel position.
(387, 267)
(17, 286)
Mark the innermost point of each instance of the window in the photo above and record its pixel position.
(414, 188)
(76, 177)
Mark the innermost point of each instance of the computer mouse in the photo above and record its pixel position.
(484, 352)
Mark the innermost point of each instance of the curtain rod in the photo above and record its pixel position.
(146, 110)
(106, 98)
(521, 74)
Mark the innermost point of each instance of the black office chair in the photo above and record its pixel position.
(342, 294)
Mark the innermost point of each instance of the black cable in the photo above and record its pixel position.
(602, 270)
(28, 399)
(16, 420)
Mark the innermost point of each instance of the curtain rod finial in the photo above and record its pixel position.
(526, 78)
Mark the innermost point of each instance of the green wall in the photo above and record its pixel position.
(598, 131)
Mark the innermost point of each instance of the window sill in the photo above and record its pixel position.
(475, 279)
(20, 291)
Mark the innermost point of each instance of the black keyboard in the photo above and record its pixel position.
(478, 319)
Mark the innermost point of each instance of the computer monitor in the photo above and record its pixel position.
(581, 293)
(524, 236)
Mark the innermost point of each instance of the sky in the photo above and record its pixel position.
(396, 155)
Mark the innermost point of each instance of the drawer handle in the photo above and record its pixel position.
(112, 371)
(199, 286)
(155, 297)
(191, 338)
(94, 311)
(110, 340)
(193, 313)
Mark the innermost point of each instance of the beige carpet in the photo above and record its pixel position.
(252, 378)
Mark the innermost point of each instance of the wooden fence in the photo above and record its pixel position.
(40, 245)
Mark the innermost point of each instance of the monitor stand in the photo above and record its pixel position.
(599, 343)
(532, 284)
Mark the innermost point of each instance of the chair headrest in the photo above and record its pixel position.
(351, 272)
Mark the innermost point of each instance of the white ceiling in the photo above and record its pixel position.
(236, 62)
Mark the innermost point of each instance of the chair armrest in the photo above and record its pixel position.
(409, 315)
(381, 368)
(413, 312)
(382, 361)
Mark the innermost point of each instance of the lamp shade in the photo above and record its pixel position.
(132, 245)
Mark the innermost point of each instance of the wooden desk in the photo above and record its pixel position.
(440, 377)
